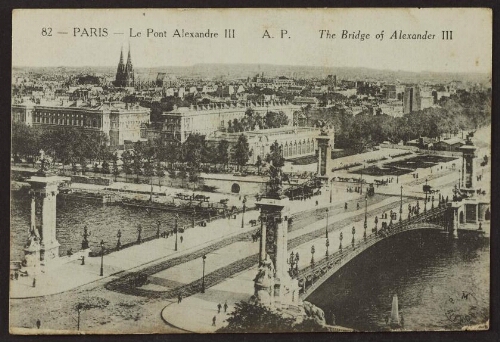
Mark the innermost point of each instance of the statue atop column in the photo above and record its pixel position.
(45, 164)
(275, 183)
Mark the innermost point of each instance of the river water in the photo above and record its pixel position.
(103, 222)
(441, 283)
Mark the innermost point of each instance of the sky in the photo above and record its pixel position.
(470, 50)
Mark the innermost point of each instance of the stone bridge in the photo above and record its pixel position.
(312, 276)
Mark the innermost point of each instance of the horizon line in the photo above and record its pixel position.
(264, 64)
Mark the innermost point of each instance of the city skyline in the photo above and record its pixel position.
(466, 53)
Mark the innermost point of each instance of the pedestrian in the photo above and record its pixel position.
(225, 304)
(16, 275)
(213, 321)
(219, 307)
(38, 323)
(179, 298)
(34, 282)
(182, 238)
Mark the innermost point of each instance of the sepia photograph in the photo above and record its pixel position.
(255, 170)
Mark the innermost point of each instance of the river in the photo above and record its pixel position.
(441, 283)
(103, 222)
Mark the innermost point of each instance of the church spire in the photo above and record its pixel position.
(121, 56)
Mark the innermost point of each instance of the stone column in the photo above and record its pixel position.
(263, 236)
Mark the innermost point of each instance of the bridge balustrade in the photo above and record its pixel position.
(309, 275)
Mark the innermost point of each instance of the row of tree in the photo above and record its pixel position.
(464, 111)
(253, 120)
(69, 146)
(72, 146)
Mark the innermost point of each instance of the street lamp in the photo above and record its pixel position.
(313, 250)
(86, 234)
(361, 187)
(401, 205)
(243, 215)
(119, 243)
(102, 258)
(139, 231)
(365, 224)
(326, 227)
(327, 245)
(376, 222)
(291, 261)
(425, 204)
(158, 225)
(176, 230)
(203, 276)
(331, 189)
(353, 232)
(340, 238)
(297, 261)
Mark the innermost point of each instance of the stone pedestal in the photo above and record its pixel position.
(43, 192)
(324, 156)
(273, 277)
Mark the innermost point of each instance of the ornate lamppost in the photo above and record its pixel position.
(313, 250)
(353, 232)
(331, 189)
(291, 261)
(365, 224)
(243, 215)
(340, 238)
(176, 230)
(102, 258)
(203, 275)
(401, 205)
(297, 262)
(326, 227)
(327, 245)
(119, 236)
(139, 231)
(86, 234)
(425, 204)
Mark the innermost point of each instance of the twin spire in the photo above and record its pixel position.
(125, 72)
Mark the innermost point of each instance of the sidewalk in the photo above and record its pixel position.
(73, 274)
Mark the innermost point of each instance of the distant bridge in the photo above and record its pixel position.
(312, 276)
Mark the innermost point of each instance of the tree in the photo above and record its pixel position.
(25, 140)
(114, 160)
(248, 317)
(192, 151)
(127, 159)
(223, 152)
(259, 163)
(241, 151)
(137, 160)
(88, 304)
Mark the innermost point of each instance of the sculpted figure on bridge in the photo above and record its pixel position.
(264, 282)
(314, 312)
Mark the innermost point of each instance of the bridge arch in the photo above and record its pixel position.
(313, 277)
(235, 188)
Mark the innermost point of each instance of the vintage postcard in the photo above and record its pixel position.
(250, 170)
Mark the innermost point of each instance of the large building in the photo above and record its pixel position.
(125, 72)
(207, 119)
(295, 142)
(415, 99)
(118, 120)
